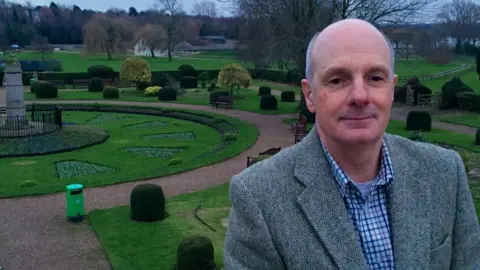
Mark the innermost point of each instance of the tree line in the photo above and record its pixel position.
(27, 24)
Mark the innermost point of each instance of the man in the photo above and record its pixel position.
(350, 196)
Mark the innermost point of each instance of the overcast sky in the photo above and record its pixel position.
(140, 4)
(124, 4)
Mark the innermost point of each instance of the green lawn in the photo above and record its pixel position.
(471, 120)
(471, 79)
(135, 245)
(132, 245)
(248, 99)
(126, 146)
(77, 62)
(420, 67)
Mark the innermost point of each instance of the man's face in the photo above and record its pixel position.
(352, 89)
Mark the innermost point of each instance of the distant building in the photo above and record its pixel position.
(215, 39)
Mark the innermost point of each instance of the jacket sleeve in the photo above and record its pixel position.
(466, 231)
(248, 244)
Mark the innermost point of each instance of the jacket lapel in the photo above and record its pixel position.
(323, 205)
(409, 209)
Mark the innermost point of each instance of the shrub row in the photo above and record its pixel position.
(419, 121)
(68, 77)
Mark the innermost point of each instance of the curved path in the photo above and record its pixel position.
(35, 235)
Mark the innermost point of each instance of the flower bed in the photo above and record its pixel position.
(151, 124)
(155, 152)
(72, 168)
(69, 138)
(171, 136)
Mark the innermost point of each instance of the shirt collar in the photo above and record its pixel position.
(384, 177)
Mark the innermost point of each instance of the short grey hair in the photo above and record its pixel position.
(311, 44)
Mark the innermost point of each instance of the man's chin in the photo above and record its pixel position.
(359, 136)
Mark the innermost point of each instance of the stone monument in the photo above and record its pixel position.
(12, 82)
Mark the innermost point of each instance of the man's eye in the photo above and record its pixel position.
(336, 81)
(377, 78)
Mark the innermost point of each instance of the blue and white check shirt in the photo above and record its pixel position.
(369, 215)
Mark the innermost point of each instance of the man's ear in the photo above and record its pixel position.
(395, 80)
(309, 95)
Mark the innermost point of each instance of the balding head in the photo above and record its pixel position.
(342, 36)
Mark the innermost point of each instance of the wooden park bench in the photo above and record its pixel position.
(269, 152)
(300, 123)
(84, 83)
(80, 83)
(300, 134)
(119, 84)
(58, 83)
(226, 101)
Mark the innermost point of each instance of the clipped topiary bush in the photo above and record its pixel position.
(215, 94)
(111, 93)
(195, 252)
(28, 184)
(167, 94)
(147, 203)
(230, 137)
(187, 70)
(46, 90)
(419, 120)
(264, 90)
(449, 91)
(477, 137)
(188, 82)
(287, 96)
(203, 78)
(137, 70)
(416, 136)
(101, 71)
(268, 102)
(34, 86)
(95, 85)
(175, 161)
(160, 79)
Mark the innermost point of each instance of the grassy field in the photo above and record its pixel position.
(134, 245)
(77, 62)
(471, 120)
(471, 79)
(248, 99)
(112, 156)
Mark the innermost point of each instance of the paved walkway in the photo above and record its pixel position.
(35, 235)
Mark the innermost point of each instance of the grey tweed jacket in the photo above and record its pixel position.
(287, 212)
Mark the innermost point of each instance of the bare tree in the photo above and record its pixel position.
(461, 18)
(41, 46)
(105, 34)
(205, 8)
(152, 37)
(171, 8)
(291, 23)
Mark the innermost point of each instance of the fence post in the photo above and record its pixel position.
(58, 118)
(43, 122)
(33, 111)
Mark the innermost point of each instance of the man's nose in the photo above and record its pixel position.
(359, 92)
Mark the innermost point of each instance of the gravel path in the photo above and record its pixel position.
(35, 235)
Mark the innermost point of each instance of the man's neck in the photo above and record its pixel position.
(360, 162)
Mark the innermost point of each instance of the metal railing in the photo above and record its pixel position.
(35, 122)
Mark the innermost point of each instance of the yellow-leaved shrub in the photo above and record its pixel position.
(136, 70)
(234, 75)
(152, 91)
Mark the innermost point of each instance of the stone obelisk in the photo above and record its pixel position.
(12, 82)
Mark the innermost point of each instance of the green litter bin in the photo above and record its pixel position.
(31, 82)
(75, 203)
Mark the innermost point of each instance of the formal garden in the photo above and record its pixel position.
(103, 141)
